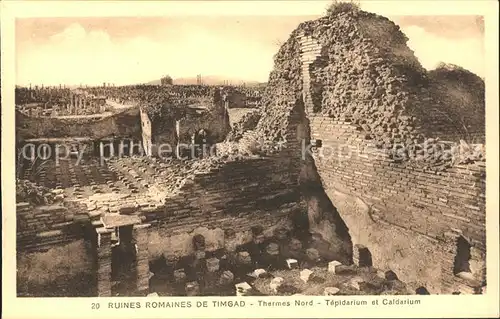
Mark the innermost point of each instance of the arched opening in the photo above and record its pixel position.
(364, 256)
(462, 257)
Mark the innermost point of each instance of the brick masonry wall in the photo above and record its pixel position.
(216, 122)
(63, 270)
(53, 257)
(407, 216)
(438, 200)
(123, 124)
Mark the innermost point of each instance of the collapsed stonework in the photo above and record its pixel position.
(382, 139)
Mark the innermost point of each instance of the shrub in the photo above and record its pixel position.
(339, 6)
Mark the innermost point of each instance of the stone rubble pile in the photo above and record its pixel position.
(283, 92)
(248, 122)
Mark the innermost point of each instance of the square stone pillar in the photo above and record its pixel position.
(104, 262)
(140, 234)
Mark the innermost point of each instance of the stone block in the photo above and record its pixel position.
(51, 233)
(345, 270)
(127, 209)
(57, 191)
(332, 265)
(466, 276)
(244, 257)
(154, 294)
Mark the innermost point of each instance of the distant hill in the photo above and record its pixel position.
(208, 80)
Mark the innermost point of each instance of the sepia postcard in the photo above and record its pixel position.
(262, 159)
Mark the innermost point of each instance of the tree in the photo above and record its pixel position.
(166, 80)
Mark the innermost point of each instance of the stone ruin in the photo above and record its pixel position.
(388, 157)
(393, 190)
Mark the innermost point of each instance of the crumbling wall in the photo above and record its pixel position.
(283, 92)
(61, 271)
(248, 122)
(216, 123)
(459, 95)
(284, 129)
(42, 227)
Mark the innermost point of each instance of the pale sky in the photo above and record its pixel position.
(129, 50)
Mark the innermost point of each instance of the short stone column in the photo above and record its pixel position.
(140, 234)
(104, 262)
